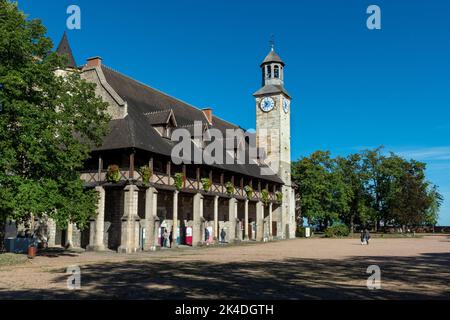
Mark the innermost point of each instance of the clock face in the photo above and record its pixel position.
(267, 104)
(286, 105)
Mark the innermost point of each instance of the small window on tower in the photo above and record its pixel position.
(269, 72)
(276, 72)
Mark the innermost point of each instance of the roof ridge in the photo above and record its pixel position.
(157, 111)
(157, 90)
(167, 95)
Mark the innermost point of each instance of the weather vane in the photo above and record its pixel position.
(272, 42)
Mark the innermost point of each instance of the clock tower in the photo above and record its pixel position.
(273, 107)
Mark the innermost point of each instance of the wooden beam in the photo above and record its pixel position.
(198, 178)
(132, 164)
(168, 168)
(150, 164)
(100, 167)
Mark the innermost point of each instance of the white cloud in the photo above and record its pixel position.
(427, 154)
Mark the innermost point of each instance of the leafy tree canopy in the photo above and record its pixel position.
(364, 189)
(48, 125)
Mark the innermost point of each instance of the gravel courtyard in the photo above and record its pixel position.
(416, 268)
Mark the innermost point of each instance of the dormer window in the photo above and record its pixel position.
(163, 122)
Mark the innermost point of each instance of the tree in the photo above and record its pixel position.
(355, 178)
(48, 125)
(432, 214)
(365, 188)
(323, 193)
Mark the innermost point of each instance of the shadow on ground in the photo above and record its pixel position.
(422, 277)
(58, 252)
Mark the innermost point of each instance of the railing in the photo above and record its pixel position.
(92, 176)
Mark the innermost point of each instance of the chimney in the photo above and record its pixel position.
(94, 62)
(208, 114)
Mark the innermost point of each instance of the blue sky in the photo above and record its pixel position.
(352, 88)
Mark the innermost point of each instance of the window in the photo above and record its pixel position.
(269, 72)
(276, 72)
(168, 132)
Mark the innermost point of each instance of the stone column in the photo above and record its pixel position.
(151, 198)
(216, 218)
(97, 226)
(259, 221)
(232, 216)
(69, 236)
(198, 219)
(246, 220)
(175, 218)
(128, 240)
(51, 233)
(270, 221)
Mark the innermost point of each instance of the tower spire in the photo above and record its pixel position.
(64, 50)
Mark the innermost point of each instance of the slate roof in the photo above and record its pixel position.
(272, 57)
(271, 89)
(65, 51)
(159, 117)
(144, 103)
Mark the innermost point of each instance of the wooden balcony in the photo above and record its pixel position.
(164, 180)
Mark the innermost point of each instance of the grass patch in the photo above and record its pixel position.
(9, 259)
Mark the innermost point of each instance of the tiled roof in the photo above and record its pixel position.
(148, 106)
(65, 51)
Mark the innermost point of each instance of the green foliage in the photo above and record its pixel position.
(300, 232)
(179, 181)
(113, 174)
(230, 188)
(337, 230)
(279, 196)
(322, 191)
(249, 191)
(146, 174)
(365, 189)
(265, 196)
(206, 183)
(48, 126)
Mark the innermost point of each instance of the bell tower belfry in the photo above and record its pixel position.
(273, 134)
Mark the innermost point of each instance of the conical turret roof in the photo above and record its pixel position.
(272, 57)
(64, 50)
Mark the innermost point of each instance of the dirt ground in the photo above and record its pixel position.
(411, 268)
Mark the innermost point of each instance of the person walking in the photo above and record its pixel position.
(366, 236)
(222, 235)
(166, 238)
(170, 238)
(362, 237)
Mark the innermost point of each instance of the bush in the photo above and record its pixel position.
(338, 230)
(301, 233)
(230, 188)
(206, 183)
(179, 179)
(113, 174)
(146, 174)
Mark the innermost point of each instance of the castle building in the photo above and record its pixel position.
(198, 203)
